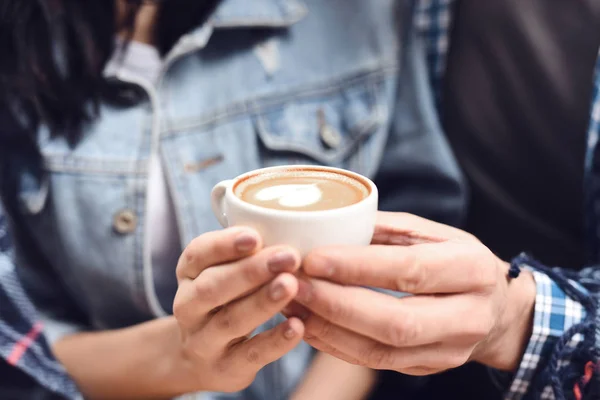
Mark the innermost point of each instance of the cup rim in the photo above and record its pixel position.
(373, 192)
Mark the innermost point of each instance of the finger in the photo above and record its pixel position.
(325, 348)
(220, 285)
(448, 267)
(406, 322)
(361, 350)
(214, 248)
(268, 346)
(394, 228)
(243, 316)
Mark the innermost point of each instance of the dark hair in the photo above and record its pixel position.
(53, 52)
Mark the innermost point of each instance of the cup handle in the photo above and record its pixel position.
(217, 200)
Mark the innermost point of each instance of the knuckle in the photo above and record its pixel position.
(402, 332)
(218, 244)
(365, 364)
(414, 278)
(363, 361)
(386, 360)
(188, 258)
(336, 310)
(179, 309)
(319, 263)
(311, 328)
(195, 349)
(222, 366)
(181, 269)
(206, 291)
(253, 356)
(263, 305)
(217, 248)
(376, 357)
(251, 271)
(182, 310)
(324, 330)
(191, 253)
(223, 320)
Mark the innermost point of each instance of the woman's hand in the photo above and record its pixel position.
(463, 306)
(228, 286)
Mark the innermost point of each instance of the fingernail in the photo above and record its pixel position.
(281, 261)
(277, 291)
(304, 291)
(289, 333)
(245, 242)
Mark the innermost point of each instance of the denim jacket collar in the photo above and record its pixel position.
(258, 13)
(232, 14)
(235, 14)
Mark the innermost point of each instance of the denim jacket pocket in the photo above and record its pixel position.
(332, 128)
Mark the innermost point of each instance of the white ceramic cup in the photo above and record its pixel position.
(352, 225)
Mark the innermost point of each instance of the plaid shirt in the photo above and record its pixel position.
(21, 344)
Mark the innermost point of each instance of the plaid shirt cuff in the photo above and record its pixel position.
(555, 312)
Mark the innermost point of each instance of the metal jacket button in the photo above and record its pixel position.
(329, 135)
(125, 222)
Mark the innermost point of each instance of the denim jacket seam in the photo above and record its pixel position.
(96, 166)
(264, 103)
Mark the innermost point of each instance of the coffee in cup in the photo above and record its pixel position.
(301, 206)
(301, 190)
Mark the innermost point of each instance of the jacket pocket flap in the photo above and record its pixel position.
(326, 127)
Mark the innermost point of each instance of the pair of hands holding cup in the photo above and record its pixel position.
(462, 307)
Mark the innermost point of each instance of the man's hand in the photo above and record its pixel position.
(463, 306)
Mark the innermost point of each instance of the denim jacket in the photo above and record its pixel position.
(340, 82)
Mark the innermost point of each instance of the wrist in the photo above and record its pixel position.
(506, 344)
(173, 370)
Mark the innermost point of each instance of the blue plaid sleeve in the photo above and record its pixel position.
(22, 343)
(433, 19)
(555, 313)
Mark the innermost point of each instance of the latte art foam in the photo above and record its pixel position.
(301, 190)
(291, 196)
